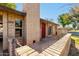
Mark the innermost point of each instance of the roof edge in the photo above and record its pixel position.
(49, 21)
(4, 8)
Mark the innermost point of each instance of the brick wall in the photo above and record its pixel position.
(32, 22)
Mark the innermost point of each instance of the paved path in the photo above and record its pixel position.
(36, 48)
(49, 46)
(45, 43)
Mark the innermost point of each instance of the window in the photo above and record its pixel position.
(18, 28)
(18, 23)
(49, 30)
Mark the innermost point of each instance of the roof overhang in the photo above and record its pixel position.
(3, 8)
(41, 19)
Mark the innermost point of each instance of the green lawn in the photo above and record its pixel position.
(76, 38)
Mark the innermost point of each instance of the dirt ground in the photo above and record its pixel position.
(74, 49)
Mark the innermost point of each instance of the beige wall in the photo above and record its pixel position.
(62, 31)
(8, 26)
(32, 22)
(5, 41)
(53, 29)
(11, 25)
(47, 26)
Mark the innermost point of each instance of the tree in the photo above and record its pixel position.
(78, 26)
(75, 13)
(9, 5)
(75, 16)
(74, 24)
(64, 19)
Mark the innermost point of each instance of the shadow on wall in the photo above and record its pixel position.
(73, 50)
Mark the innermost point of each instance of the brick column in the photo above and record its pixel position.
(32, 22)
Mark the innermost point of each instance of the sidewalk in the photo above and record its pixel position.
(49, 46)
(45, 43)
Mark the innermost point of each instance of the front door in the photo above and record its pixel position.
(43, 30)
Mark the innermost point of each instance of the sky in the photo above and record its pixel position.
(51, 11)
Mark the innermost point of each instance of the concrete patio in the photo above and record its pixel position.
(50, 46)
(45, 43)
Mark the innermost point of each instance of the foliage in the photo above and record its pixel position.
(75, 13)
(64, 19)
(10, 5)
(72, 18)
(75, 16)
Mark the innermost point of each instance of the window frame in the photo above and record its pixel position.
(49, 30)
(18, 28)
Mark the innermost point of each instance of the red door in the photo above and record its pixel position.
(43, 30)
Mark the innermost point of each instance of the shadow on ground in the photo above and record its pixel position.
(45, 43)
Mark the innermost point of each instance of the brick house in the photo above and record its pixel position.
(26, 26)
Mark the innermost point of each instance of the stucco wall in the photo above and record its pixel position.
(5, 41)
(62, 31)
(32, 22)
(8, 26)
(53, 27)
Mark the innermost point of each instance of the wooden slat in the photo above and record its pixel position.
(28, 53)
(56, 49)
(41, 54)
(51, 52)
(46, 54)
(22, 50)
(34, 54)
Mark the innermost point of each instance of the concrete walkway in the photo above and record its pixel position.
(50, 46)
(45, 43)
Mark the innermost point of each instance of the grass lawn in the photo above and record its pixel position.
(76, 38)
(75, 48)
(74, 31)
